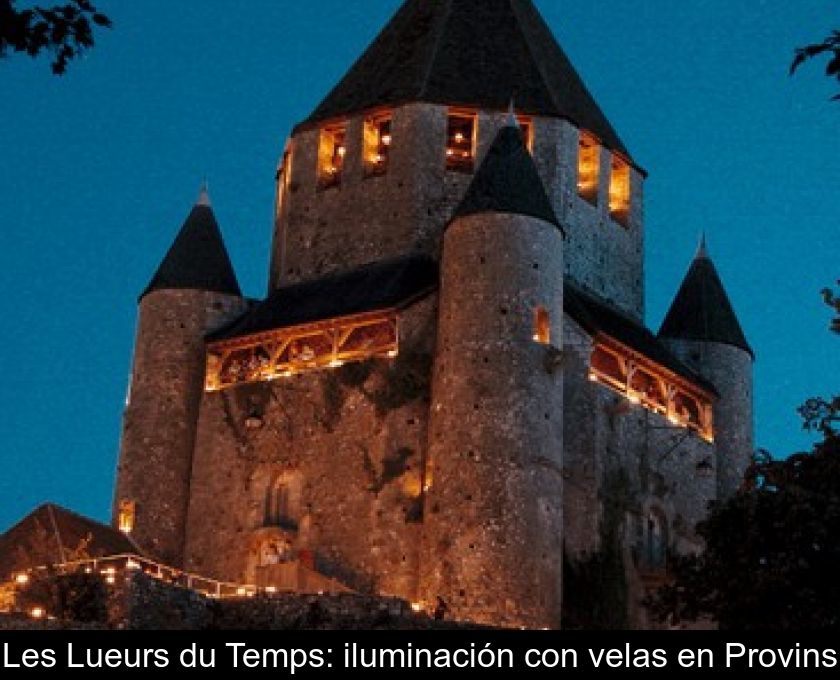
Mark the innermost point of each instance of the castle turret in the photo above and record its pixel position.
(492, 546)
(193, 292)
(703, 330)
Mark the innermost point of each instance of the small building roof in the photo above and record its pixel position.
(198, 258)
(508, 182)
(597, 316)
(702, 310)
(51, 534)
(378, 286)
(477, 53)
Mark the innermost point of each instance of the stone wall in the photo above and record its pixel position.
(350, 443)
(492, 544)
(136, 601)
(405, 210)
(624, 466)
(158, 436)
(601, 255)
(731, 371)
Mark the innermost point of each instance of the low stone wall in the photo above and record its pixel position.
(137, 601)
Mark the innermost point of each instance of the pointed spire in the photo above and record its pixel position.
(468, 53)
(197, 259)
(508, 182)
(702, 309)
(702, 249)
(204, 195)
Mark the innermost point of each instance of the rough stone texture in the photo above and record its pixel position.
(492, 536)
(354, 442)
(140, 602)
(601, 255)
(159, 423)
(369, 218)
(621, 463)
(730, 369)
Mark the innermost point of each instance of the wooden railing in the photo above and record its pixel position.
(297, 578)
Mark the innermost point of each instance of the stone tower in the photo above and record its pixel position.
(703, 330)
(194, 291)
(492, 536)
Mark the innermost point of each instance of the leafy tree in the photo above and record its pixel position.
(64, 31)
(772, 555)
(832, 299)
(831, 47)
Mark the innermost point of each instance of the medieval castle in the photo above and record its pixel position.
(449, 393)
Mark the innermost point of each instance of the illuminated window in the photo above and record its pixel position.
(527, 128)
(126, 515)
(620, 191)
(460, 142)
(331, 153)
(542, 326)
(283, 174)
(589, 167)
(378, 138)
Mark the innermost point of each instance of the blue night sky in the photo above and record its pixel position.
(98, 170)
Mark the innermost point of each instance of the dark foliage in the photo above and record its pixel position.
(64, 31)
(832, 299)
(772, 554)
(74, 596)
(831, 47)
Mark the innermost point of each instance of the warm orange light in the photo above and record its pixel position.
(542, 326)
(22, 579)
(37, 612)
(126, 516)
(620, 191)
(589, 167)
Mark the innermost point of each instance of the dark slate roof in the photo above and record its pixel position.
(508, 182)
(38, 538)
(596, 315)
(477, 53)
(198, 259)
(702, 310)
(378, 286)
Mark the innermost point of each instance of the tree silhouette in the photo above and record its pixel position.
(64, 31)
(830, 46)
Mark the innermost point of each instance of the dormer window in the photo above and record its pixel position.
(620, 191)
(378, 139)
(589, 167)
(460, 142)
(331, 154)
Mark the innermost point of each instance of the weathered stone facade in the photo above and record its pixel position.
(467, 468)
(731, 370)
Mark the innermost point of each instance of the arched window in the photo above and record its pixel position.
(281, 502)
(542, 326)
(656, 540)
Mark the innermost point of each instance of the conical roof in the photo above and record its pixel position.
(198, 259)
(507, 182)
(702, 310)
(476, 53)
